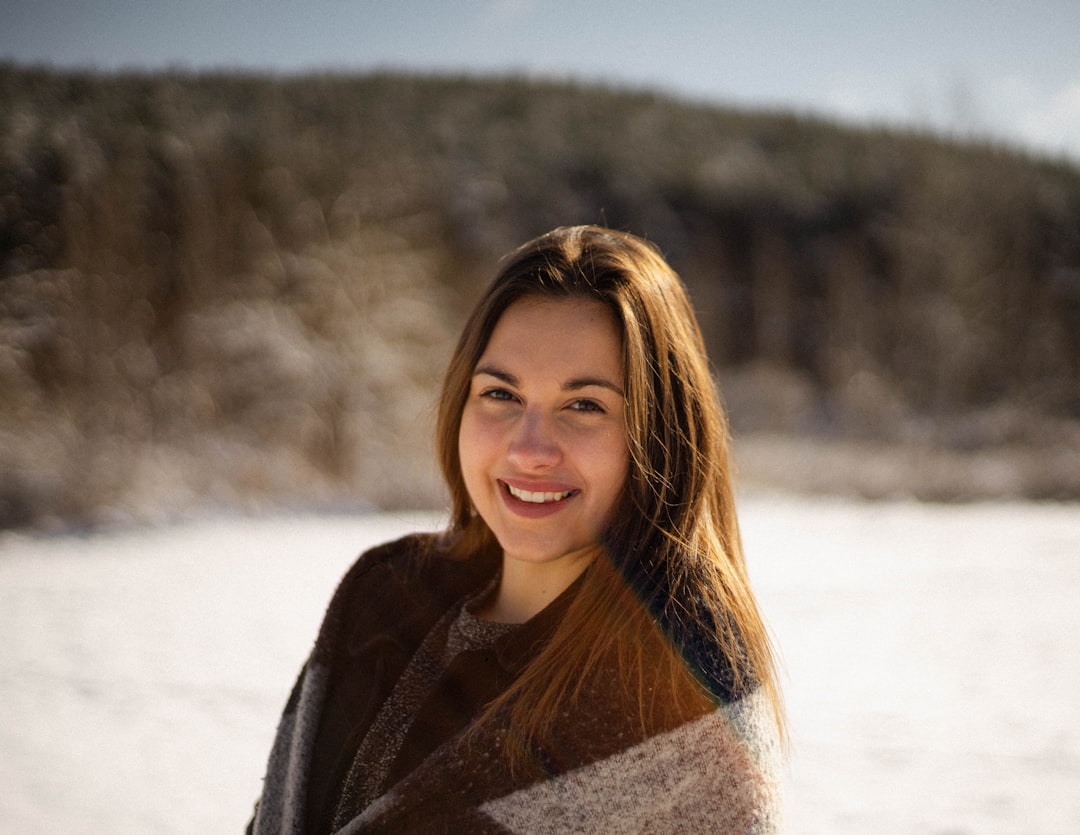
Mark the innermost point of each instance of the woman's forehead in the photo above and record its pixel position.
(574, 335)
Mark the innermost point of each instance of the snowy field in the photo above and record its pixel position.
(932, 657)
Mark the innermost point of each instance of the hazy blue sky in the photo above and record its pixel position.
(1008, 69)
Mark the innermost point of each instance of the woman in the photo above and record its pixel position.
(580, 651)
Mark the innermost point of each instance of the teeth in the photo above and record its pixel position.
(537, 498)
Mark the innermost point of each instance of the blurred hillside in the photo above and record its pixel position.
(221, 291)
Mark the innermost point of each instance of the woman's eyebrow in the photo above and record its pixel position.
(575, 384)
(586, 382)
(497, 373)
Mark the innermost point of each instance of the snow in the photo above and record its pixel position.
(930, 657)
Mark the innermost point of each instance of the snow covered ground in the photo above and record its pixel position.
(931, 653)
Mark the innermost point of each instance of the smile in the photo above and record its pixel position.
(538, 498)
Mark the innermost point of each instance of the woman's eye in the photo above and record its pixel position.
(586, 406)
(497, 394)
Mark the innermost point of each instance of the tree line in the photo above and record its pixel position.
(230, 289)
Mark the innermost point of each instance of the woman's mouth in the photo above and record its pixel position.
(536, 497)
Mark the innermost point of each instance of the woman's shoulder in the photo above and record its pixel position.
(412, 576)
(416, 559)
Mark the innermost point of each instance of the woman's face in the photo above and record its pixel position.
(543, 437)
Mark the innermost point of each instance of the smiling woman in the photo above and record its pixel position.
(581, 650)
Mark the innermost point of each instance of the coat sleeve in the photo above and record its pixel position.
(281, 806)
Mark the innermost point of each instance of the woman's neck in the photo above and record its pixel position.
(526, 588)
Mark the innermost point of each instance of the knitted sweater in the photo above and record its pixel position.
(712, 772)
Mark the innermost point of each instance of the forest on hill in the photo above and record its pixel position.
(227, 291)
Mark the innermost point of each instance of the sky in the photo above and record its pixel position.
(1008, 71)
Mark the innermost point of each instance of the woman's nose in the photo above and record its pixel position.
(534, 445)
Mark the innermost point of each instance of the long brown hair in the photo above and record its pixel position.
(670, 569)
